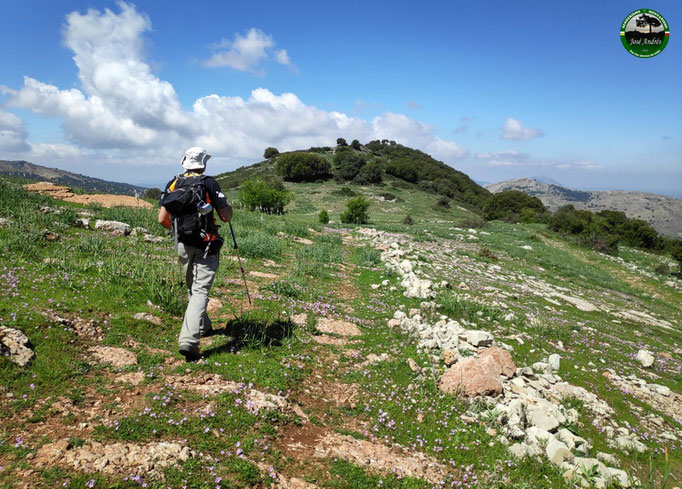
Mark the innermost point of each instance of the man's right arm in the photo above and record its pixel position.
(225, 213)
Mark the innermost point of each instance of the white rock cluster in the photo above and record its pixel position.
(444, 335)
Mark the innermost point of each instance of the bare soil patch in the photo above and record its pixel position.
(105, 200)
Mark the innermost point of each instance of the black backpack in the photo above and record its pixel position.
(181, 200)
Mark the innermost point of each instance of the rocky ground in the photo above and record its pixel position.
(417, 363)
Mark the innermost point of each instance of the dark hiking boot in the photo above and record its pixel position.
(191, 353)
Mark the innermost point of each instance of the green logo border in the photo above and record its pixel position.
(659, 17)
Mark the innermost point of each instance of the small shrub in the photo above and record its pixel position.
(301, 166)
(487, 253)
(356, 211)
(265, 194)
(408, 220)
(443, 203)
(355, 144)
(473, 222)
(345, 192)
(270, 152)
(513, 206)
(323, 216)
(341, 142)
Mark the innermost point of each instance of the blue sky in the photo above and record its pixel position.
(495, 89)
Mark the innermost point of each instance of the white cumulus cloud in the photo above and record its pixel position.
(246, 53)
(125, 114)
(513, 129)
(12, 133)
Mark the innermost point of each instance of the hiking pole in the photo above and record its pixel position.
(234, 240)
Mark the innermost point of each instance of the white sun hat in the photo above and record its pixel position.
(195, 158)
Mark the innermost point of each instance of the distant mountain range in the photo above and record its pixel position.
(662, 212)
(31, 171)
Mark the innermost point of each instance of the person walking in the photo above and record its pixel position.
(187, 206)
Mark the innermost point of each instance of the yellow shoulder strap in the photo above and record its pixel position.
(172, 185)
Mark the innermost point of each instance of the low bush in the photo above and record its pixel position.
(264, 194)
(356, 211)
(301, 166)
(408, 220)
(514, 206)
(323, 217)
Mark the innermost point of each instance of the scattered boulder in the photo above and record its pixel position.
(472, 377)
(16, 345)
(114, 227)
(645, 358)
(554, 361)
(502, 358)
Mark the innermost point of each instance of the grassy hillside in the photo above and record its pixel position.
(404, 168)
(312, 385)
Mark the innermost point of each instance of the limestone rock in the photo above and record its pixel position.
(502, 358)
(338, 326)
(16, 345)
(118, 357)
(557, 452)
(545, 415)
(645, 358)
(471, 378)
(554, 361)
(82, 222)
(450, 357)
(114, 227)
(477, 338)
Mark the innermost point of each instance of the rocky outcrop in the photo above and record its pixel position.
(115, 459)
(16, 345)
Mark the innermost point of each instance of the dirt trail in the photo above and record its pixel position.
(66, 194)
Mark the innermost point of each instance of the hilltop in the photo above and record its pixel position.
(445, 352)
(401, 167)
(662, 212)
(31, 171)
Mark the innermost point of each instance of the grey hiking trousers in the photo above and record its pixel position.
(199, 275)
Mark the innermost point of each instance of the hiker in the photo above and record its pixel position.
(187, 206)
